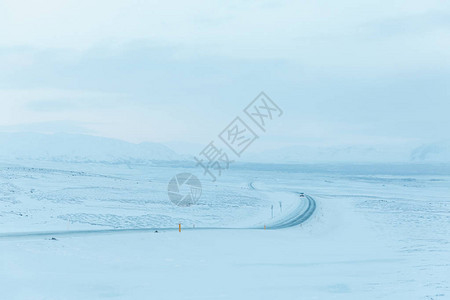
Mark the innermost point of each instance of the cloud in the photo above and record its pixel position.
(342, 34)
(410, 24)
(49, 127)
(181, 70)
(56, 110)
(54, 100)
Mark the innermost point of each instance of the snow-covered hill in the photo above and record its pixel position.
(310, 154)
(79, 148)
(436, 152)
(433, 152)
(86, 148)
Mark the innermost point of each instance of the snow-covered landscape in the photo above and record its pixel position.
(176, 150)
(377, 232)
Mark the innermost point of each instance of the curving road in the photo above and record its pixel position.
(298, 216)
(303, 211)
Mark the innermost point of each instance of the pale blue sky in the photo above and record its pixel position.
(344, 72)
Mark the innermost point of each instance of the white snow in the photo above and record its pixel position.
(79, 148)
(375, 234)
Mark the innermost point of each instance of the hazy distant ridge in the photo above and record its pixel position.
(86, 148)
(79, 148)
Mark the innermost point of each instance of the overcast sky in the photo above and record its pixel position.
(344, 72)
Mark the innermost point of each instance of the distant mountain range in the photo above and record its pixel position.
(87, 148)
(439, 151)
(310, 154)
(436, 152)
(80, 148)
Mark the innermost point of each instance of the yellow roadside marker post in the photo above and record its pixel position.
(179, 227)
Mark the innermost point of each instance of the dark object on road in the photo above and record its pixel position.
(156, 231)
(53, 239)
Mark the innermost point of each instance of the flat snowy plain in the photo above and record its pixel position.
(378, 232)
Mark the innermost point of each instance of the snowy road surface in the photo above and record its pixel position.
(302, 211)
